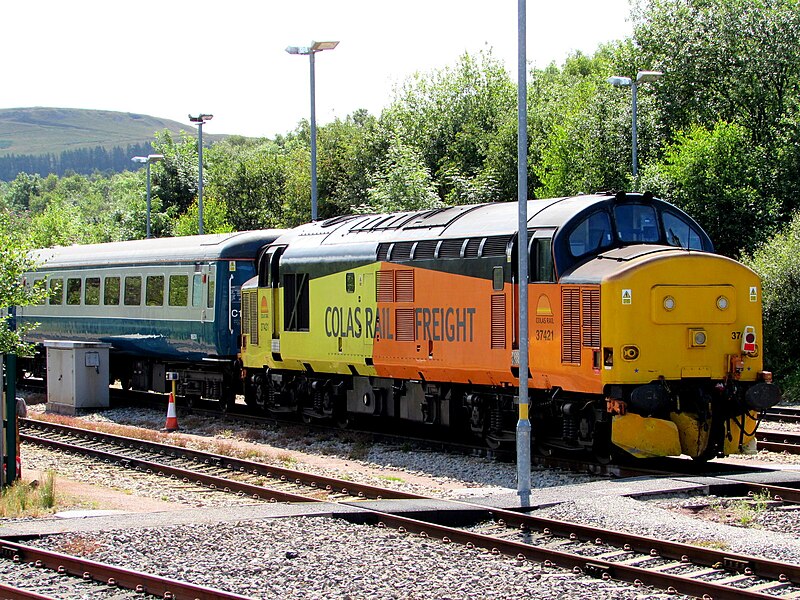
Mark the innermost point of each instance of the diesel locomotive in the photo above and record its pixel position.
(642, 340)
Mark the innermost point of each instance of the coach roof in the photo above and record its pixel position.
(222, 246)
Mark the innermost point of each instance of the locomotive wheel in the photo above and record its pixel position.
(342, 420)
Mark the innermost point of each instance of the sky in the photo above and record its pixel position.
(172, 58)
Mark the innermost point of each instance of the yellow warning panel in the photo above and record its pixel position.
(645, 437)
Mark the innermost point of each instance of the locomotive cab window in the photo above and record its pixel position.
(636, 223)
(295, 302)
(541, 259)
(680, 233)
(591, 234)
(268, 267)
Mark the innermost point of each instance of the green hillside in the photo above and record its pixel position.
(53, 130)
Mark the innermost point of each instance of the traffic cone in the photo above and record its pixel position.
(172, 416)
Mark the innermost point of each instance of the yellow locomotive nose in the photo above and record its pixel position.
(690, 367)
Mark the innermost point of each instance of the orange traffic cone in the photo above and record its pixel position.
(172, 416)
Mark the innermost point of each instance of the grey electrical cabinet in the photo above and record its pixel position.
(77, 376)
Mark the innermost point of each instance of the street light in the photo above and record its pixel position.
(199, 120)
(147, 160)
(641, 77)
(311, 51)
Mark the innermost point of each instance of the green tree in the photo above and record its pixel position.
(175, 179)
(249, 177)
(716, 177)
(402, 183)
(214, 218)
(777, 265)
(729, 60)
(453, 118)
(14, 262)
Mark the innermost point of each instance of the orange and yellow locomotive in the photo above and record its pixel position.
(641, 339)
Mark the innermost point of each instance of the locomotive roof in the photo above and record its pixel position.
(194, 248)
(474, 220)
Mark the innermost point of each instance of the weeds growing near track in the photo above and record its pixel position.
(23, 499)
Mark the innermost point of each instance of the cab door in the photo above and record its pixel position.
(269, 298)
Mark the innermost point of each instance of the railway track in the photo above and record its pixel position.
(212, 471)
(787, 414)
(594, 551)
(778, 441)
(82, 578)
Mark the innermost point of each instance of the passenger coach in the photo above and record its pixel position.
(163, 304)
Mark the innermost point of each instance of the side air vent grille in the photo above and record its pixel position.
(498, 321)
(590, 301)
(404, 286)
(384, 290)
(571, 326)
(405, 322)
(383, 252)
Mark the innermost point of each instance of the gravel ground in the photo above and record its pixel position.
(317, 557)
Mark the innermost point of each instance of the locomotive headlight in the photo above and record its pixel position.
(722, 303)
(697, 338)
(669, 303)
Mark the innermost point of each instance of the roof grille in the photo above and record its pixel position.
(495, 245)
(451, 248)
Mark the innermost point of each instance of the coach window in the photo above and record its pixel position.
(178, 290)
(73, 291)
(211, 290)
(91, 294)
(154, 290)
(56, 291)
(111, 291)
(38, 286)
(197, 290)
(133, 291)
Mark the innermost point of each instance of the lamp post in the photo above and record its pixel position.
(523, 432)
(199, 120)
(311, 51)
(641, 77)
(147, 160)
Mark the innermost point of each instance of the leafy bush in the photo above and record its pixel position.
(779, 268)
